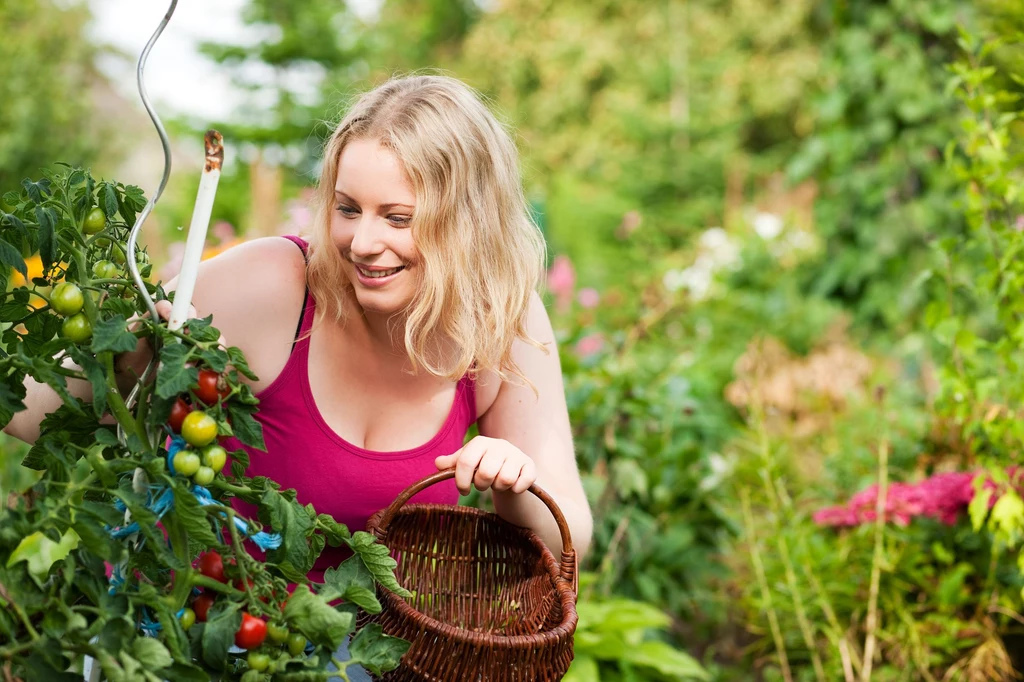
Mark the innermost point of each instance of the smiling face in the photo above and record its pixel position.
(370, 226)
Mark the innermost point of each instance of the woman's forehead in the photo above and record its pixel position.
(368, 172)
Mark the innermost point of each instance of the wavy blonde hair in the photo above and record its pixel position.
(482, 254)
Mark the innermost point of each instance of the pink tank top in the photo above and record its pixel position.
(338, 478)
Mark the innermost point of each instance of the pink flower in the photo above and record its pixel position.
(588, 298)
(562, 281)
(942, 497)
(589, 345)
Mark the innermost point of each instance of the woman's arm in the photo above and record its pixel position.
(520, 422)
(252, 290)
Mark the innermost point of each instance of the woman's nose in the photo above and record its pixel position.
(366, 237)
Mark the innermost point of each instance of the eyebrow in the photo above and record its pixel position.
(338, 194)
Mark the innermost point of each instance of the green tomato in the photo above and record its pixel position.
(76, 329)
(187, 463)
(187, 619)
(214, 456)
(67, 299)
(104, 269)
(278, 633)
(257, 662)
(95, 221)
(117, 255)
(198, 428)
(296, 644)
(204, 476)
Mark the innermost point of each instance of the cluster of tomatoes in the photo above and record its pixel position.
(67, 298)
(203, 458)
(253, 632)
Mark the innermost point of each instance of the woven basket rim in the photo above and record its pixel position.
(563, 590)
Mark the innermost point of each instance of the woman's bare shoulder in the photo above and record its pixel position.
(254, 291)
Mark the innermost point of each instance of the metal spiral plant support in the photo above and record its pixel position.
(133, 236)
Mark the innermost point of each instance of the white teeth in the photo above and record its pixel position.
(379, 273)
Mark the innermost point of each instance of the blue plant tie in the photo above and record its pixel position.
(263, 540)
(177, 443)
(116, 578)
(149, 627)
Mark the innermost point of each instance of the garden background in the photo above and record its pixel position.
(785, 271)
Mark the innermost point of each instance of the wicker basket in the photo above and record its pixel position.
(490, 603)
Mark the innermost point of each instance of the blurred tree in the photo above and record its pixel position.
(47, 85)
(881, 119)
(638, 112)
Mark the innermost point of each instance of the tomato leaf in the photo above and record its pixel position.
(352, 582)
(174, 377)
(245, 427)
(191, 515)
(237, 360)
(151, 653)
(202, 329)
(378, 561)
(219, 633)
(112, 335)
(375, 651)
(97, 377)
(41, 552)
(135, 197)
(316, 619)
(108, 199)
(12, 396)
(290, 520)
(47, 246)
(37, 191)
(337, 533)
(11, 256)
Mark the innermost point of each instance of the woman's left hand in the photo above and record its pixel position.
(490, 463)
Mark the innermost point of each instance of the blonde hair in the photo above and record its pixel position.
(482, 254)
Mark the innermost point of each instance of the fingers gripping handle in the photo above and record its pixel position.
(568, 566)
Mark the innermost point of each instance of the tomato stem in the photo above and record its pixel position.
(236, 540)
(117, 406)
(200, 580)
(179, 545)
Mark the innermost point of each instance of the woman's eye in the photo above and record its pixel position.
(400, 219)
(347, 211)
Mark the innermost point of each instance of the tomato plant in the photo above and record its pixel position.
(97, 549)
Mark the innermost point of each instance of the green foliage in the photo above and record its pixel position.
(47, 81)
(617, 639)
(881, 121)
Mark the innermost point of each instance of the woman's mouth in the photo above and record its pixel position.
(375, 274)
(377, 277)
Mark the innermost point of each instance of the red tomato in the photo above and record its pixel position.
(211, 387)
(212, 566)
(251, 633)
(178, 414)
(201, 605)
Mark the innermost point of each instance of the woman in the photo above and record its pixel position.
(410, 314)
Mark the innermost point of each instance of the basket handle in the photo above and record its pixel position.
(568, 568)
